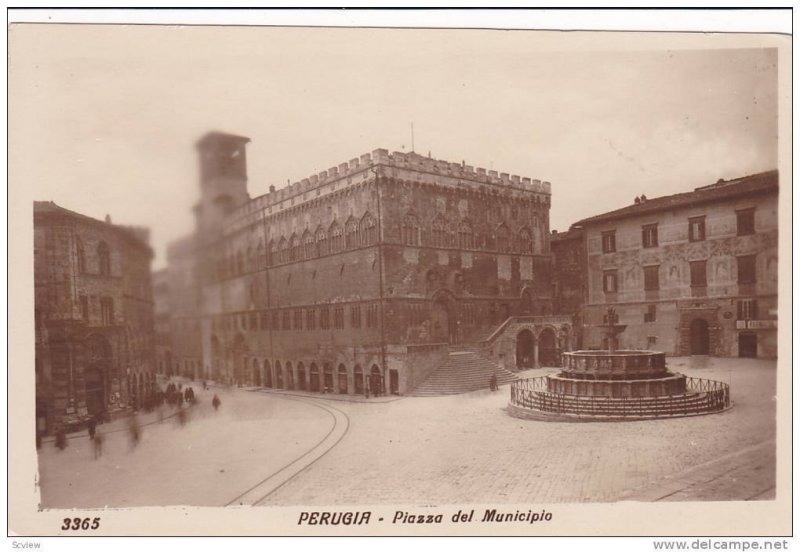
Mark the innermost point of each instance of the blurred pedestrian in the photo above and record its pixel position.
(61, 440)
(92, 426)
(181, 416)
(187, 394)
(134, 430)
(216, 402)
(493, 383)
(179, 399)
(98, 446)
(366, 387)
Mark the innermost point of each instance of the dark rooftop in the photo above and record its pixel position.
(723, 189)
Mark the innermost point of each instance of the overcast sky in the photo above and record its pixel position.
(103, 119)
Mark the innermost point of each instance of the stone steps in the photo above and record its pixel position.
(463, 371)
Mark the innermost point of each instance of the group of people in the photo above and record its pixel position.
(173, 394)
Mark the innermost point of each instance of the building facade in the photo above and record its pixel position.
(163, 323)
(691, 273)
(94, 318)
(568, 252)
(364, 274)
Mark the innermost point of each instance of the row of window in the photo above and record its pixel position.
(310, 318)
(106, 309)
(746, 309)
(745, 266)
(365, 233)
(465, 237)
(103, 258)
(745, 225)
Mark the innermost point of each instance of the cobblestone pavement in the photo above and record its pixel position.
(466, 449)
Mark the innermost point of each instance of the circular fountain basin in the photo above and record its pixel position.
(614, 365)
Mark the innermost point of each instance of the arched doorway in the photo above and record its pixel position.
(239, 351)
(267, 374)
(256, 373)
(278, 375)
(525, 350)
(301, 376)
(314, 378)
(289, 376)
(95, 375)
(748, 345)
(375, 381)
(95, 391)
(548, 348)
(328, 373)
(444, 325)
(216, 358)
(358, 380)
(698, 337)
(342, 379)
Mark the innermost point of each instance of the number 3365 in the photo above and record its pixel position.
(74, 524)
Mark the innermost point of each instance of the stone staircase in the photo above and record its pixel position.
(464, 370)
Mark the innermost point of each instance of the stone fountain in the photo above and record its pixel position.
(615, 384)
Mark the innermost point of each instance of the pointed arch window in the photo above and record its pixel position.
(294, 252)
(369, 234)
(439, 232)
(262, 259)
(525, 241)
(283, 254)
(337, 239)
(466, 238)
(322, 241)
(501, 239)
(409, 230)
(271, 253)
(351, 234)
(308, 245)
(104, 259)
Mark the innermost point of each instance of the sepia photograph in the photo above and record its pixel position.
(325, 280)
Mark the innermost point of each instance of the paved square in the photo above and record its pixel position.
(425, 451)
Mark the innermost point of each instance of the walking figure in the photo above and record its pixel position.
(181, 416)
(61, 440)
(493, 383)
(92, 425)
(98, 446)
(216, 402)
(135, 431)
(366, 387)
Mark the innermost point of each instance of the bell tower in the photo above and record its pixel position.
(223, 179)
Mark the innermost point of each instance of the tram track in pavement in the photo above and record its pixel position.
(277, 479)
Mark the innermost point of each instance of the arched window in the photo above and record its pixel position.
(81, 254)
(104, 259)
(337, 241)
(409, 230)
(439, 232)
(369, 234)
(501, 239)
(271, 253)
(283, 254)
(351, 234)
(308, 245)
(525, 241)
(322, 241)
(466, 239)
(536, 235)
(294, 253)
(262, 256)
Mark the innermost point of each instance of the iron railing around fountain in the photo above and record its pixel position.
(706, 396)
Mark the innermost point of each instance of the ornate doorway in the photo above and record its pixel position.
(525, 353)
(698, 337)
